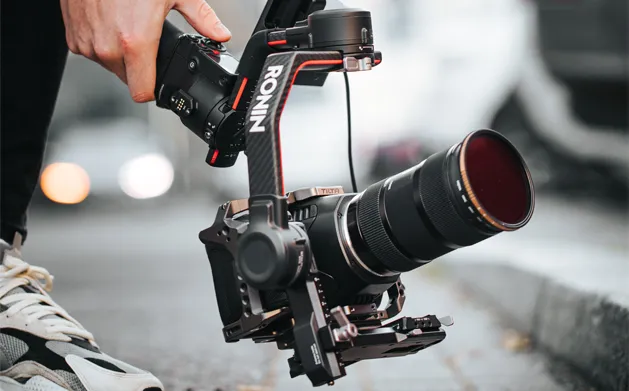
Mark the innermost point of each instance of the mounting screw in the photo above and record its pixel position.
(192, 65)
(207, 135)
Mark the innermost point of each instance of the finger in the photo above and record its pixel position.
(111, 58)
(117, 68)
(139, 62)
(203, 18)
(72, 46)
(82, 33)
(86, 49)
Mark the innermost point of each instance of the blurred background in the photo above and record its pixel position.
(125, 189)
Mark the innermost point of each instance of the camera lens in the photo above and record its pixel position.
(455, 198)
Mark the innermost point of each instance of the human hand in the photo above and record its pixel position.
(123, 35)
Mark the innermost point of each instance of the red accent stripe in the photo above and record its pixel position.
(299, 68)
(378, 62)
(214, 156)
(280, 42)
(240, 91)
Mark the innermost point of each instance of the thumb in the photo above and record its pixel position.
(203, 18)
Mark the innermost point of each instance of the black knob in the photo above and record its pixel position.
(272, 258)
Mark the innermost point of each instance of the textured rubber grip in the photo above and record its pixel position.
(371, 226)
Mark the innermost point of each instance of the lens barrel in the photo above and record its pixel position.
(455, 198)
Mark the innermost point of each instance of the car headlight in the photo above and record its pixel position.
(65, 183)
(147, 176)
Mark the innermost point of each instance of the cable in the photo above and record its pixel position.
(349, 134)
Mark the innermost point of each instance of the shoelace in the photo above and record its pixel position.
(14, 273)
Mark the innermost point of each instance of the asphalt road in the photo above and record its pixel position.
(138, 278)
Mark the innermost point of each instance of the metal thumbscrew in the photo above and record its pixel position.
(347, 331)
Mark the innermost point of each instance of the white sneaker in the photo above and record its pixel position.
(42, 348)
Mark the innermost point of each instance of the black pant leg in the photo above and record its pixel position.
(33, 54)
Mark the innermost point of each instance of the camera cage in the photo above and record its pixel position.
(325, 340)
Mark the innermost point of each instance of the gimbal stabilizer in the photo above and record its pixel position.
(308, 270)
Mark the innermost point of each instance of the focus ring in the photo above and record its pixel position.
(375, 234)
(438, 206)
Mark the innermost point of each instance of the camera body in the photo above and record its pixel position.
(195, 79)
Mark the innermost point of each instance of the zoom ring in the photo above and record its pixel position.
(370, 223)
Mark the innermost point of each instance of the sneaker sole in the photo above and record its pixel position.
(36, 383)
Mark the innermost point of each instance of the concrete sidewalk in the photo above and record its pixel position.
(140, 281)
(564, 281)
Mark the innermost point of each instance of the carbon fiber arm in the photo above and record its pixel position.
(262, 122)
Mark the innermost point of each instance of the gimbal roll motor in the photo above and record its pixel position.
(308, 269)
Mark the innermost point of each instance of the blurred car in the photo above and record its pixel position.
(569, 107)
(105, 160)
(585, 42)
(101, 146)
(452, 73)
(551, 76)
